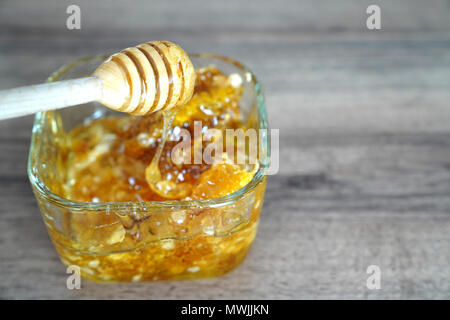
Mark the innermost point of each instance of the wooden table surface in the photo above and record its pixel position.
(364, 121)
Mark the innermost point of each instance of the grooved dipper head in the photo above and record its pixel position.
(149, 77)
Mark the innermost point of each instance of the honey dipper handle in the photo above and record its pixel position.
(42, 97)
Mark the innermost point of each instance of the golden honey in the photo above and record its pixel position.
(128, 159)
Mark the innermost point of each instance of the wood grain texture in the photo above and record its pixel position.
(364, 121)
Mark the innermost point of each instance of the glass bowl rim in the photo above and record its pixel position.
(73, 205)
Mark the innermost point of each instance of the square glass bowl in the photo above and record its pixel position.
(145, 241)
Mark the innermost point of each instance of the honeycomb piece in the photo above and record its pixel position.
(220, 180)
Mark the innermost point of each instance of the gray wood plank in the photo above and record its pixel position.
(364, 124)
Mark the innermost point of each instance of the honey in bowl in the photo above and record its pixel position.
(116, 159)
(128, 159)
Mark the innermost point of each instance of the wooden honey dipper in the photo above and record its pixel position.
(152, 76)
